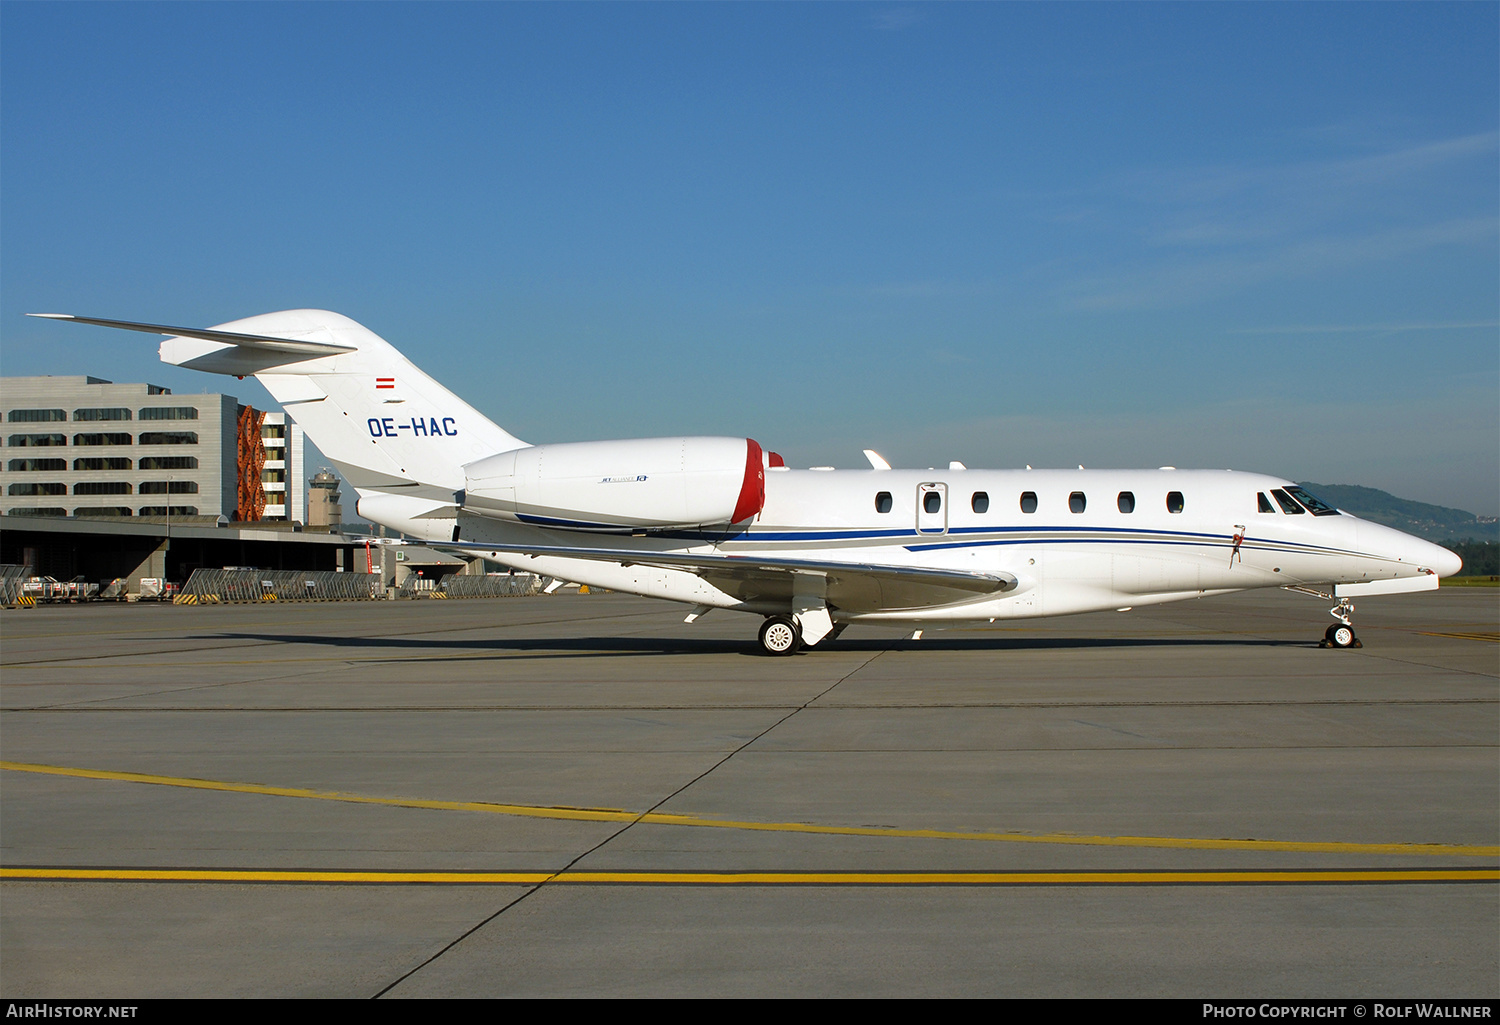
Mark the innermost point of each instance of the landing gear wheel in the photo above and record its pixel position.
(1341, 636)
(779, 636)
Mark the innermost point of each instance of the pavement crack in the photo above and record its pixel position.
(624, 828)
(459, 939)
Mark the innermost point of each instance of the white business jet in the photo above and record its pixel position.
(720, 523)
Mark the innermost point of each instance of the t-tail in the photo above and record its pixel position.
(396, 436)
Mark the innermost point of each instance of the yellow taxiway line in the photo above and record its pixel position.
(167, 875)
(666, 819)
(1481, 635)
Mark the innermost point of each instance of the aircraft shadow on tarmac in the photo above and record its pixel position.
(594, 647)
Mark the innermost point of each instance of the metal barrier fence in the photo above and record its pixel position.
(11, 579)
(494, 585)
(220, 586)
(215, 586)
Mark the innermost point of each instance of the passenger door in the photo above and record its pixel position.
(932, 508)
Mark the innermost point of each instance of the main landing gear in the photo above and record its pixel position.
(782, 635)
(779, 635)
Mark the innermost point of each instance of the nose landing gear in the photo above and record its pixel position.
(1341, 634)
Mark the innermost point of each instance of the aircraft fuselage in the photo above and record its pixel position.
(1092, 540)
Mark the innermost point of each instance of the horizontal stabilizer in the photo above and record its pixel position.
(263, 342)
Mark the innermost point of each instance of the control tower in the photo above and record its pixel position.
(323, 509)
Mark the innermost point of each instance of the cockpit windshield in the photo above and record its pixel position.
(1287, 502)
(1315, 505)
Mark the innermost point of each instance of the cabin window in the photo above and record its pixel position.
(883, 502)
(980, 503)
(1028, 501)
(1174, 501)
(1076, 502)
(1315, 505)
(1265, 503)
(1126, 502)
(1285, 501)
(932, 502)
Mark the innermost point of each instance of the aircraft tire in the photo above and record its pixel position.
(779, 636)
(1340, 636)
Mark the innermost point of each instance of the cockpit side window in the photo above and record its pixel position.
(1285, 501)
(1315, 505)
(1265, 503)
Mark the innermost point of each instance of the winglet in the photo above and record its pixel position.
(877, 461)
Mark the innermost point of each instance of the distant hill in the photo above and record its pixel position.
(1432, 522)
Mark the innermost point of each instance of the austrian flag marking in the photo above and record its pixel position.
(385, 382)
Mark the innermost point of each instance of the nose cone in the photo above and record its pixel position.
(1443, 562)
(1390, 543)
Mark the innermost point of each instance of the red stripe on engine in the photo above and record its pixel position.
(753, 491)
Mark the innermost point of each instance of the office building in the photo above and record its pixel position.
(86, 447)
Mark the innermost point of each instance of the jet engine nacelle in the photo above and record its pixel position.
(415, 517)
(614, 486)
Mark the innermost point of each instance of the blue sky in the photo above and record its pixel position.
(1264, 236)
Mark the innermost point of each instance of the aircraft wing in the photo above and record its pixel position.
(852, 586)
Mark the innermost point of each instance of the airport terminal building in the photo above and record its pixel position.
(107, 481)
(104, 481)
(84, 447)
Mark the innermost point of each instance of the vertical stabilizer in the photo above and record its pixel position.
(385, 424)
